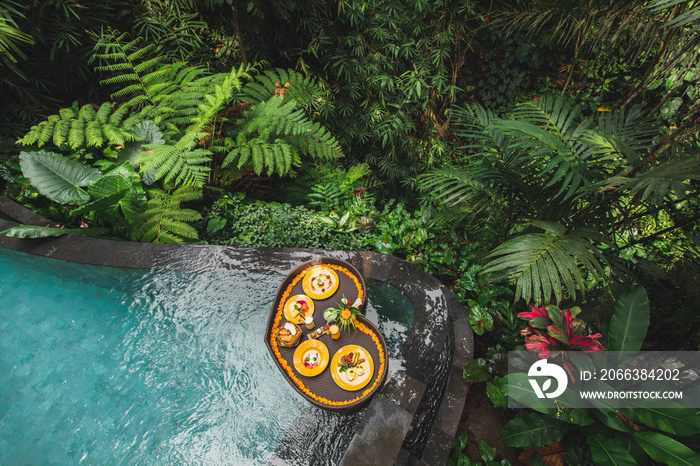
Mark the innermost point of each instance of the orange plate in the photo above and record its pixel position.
(290, 303)
(310, 285)
(341, 378)
(308, 349)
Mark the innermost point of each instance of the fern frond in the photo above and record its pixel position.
(61, 132)
(283, 120)
(103, 112)
(46, 133)
(122, 78)
(187, 193)
(87, 113)
(113, 134)
(69, 113)
(172, 162)
(118, 115)
(288, 84)
(93, 134)
(165, 221)
(76, 136)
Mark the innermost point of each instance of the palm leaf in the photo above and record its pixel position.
(549, 263)
(658, 182)
(551, 113)
(10, 38)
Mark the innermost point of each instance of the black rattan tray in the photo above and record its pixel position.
(321, 390)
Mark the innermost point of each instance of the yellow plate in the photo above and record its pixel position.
(308, 350)
(341, 378)
(290, 304)
(320, 290)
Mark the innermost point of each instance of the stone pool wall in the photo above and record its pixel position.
(412, 420)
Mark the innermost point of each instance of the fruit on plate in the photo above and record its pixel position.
(299, 307)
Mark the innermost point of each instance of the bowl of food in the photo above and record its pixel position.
(288, 335)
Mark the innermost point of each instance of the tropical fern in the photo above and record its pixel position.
(182, 162)
(126, 58)
(83, 127)
(291, 132)
(164, 220)
(546, 264)
(163, 93)
(288, 84)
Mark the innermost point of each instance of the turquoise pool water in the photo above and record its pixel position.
(118, 366)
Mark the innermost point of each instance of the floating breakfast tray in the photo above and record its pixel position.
(321, 389)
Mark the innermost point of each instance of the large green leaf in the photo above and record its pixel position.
(498, 391)
(477, 370)
(518, 387)
(607, 451)
(56, 177)
(666, 450)
(122, 179)
(679, 421)
(546, 264)
(31, 231)
(532, 430)
(630, 321)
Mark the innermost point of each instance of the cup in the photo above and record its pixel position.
(335, 332)
(309, 322)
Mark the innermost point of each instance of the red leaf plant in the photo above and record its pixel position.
(551, 329)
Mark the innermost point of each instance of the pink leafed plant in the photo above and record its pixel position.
(552, 329)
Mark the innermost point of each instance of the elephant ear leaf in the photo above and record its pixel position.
(56, 177)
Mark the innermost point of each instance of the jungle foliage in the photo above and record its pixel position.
(523, 152)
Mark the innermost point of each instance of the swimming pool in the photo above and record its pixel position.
(111, 365)
(411, 420)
